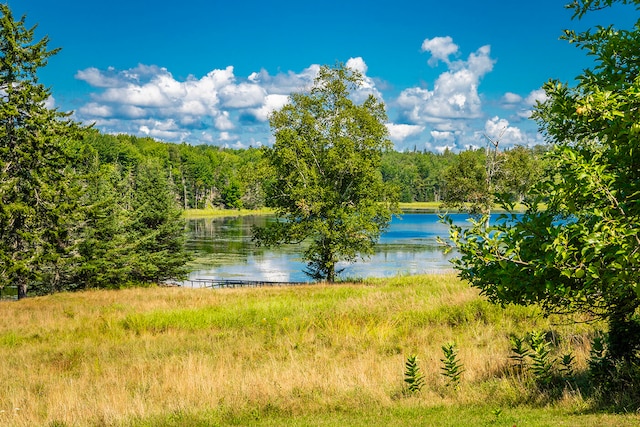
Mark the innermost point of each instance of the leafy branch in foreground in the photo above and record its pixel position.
(576, 248)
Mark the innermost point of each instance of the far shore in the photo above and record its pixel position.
(422, 207)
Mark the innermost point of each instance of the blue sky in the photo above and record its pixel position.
(209, 71)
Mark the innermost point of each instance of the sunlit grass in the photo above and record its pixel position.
(309, 355)
(216, 212)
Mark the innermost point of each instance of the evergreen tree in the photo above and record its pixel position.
(34, 205)
(156, 226)
(104, 246)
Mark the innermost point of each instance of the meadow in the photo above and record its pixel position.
(317, 355)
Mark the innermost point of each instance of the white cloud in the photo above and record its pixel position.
(138, 100)
(440, 137)
(455, 92)
(357, 64)
(222, 108)
(286, 83)
(499, 130)
(93, 109)
(271, 104)
(510, 98)
(440, 48)
(243, 95)
(222, 122)
(399, 132)
(368, 86)
(50, 102)
(535, 96)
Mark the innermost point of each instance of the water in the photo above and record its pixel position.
(224, 250)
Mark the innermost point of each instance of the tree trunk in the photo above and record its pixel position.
(331, 273)
(22, 290)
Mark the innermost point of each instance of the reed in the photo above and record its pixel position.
(319, 354)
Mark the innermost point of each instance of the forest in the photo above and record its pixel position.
(204, 176)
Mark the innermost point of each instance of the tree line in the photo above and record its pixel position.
(204, 176)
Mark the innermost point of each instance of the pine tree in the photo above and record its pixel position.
(156, 226)
(104, 248)
(34, 191)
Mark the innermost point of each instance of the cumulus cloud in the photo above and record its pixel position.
(499, 130)
(222, 108)
(454, 94)
(441, 48)
(399, 132)
(271, 103)
(511, 98)
(50, 102)
(285, 83)
(537, 95)
(148, 100)
(368, 86)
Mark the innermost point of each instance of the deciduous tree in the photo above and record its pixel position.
(577, 247)
(328, 187)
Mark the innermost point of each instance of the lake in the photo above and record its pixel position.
(223, 250)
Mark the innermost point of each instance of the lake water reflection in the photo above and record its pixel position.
(224, 250)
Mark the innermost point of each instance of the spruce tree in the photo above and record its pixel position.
(104, 247)
(35, 199)
(156, 227)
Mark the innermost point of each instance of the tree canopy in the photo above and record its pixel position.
(577, 246)
(327, 186)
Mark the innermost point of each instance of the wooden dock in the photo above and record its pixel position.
(234, 283)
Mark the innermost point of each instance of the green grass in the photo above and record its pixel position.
(217, 212)
(320, 355)
(430, 207)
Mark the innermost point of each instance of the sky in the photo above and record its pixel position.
(451, 73)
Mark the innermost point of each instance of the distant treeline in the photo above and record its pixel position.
(211, 176)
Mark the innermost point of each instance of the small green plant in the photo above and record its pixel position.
(413, 375)
(520, 352)
(541, 362)
(496, 414)
(566, 366)
(599, 365)
(452, 367)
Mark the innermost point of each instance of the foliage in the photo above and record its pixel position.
(327, 184)
(67, 220)
(413, 375)
(452, 367)
(156, 227)
(466, 183)
(542, 365)
(519, 352)
(36, 198)
(576, 248)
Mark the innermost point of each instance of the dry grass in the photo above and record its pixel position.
(114, 357)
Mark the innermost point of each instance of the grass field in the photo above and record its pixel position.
(320, 355)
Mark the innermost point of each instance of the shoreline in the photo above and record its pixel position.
(414, 207)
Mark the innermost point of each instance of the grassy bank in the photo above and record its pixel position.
(312, 355)
(430, 207)
(215, 212)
